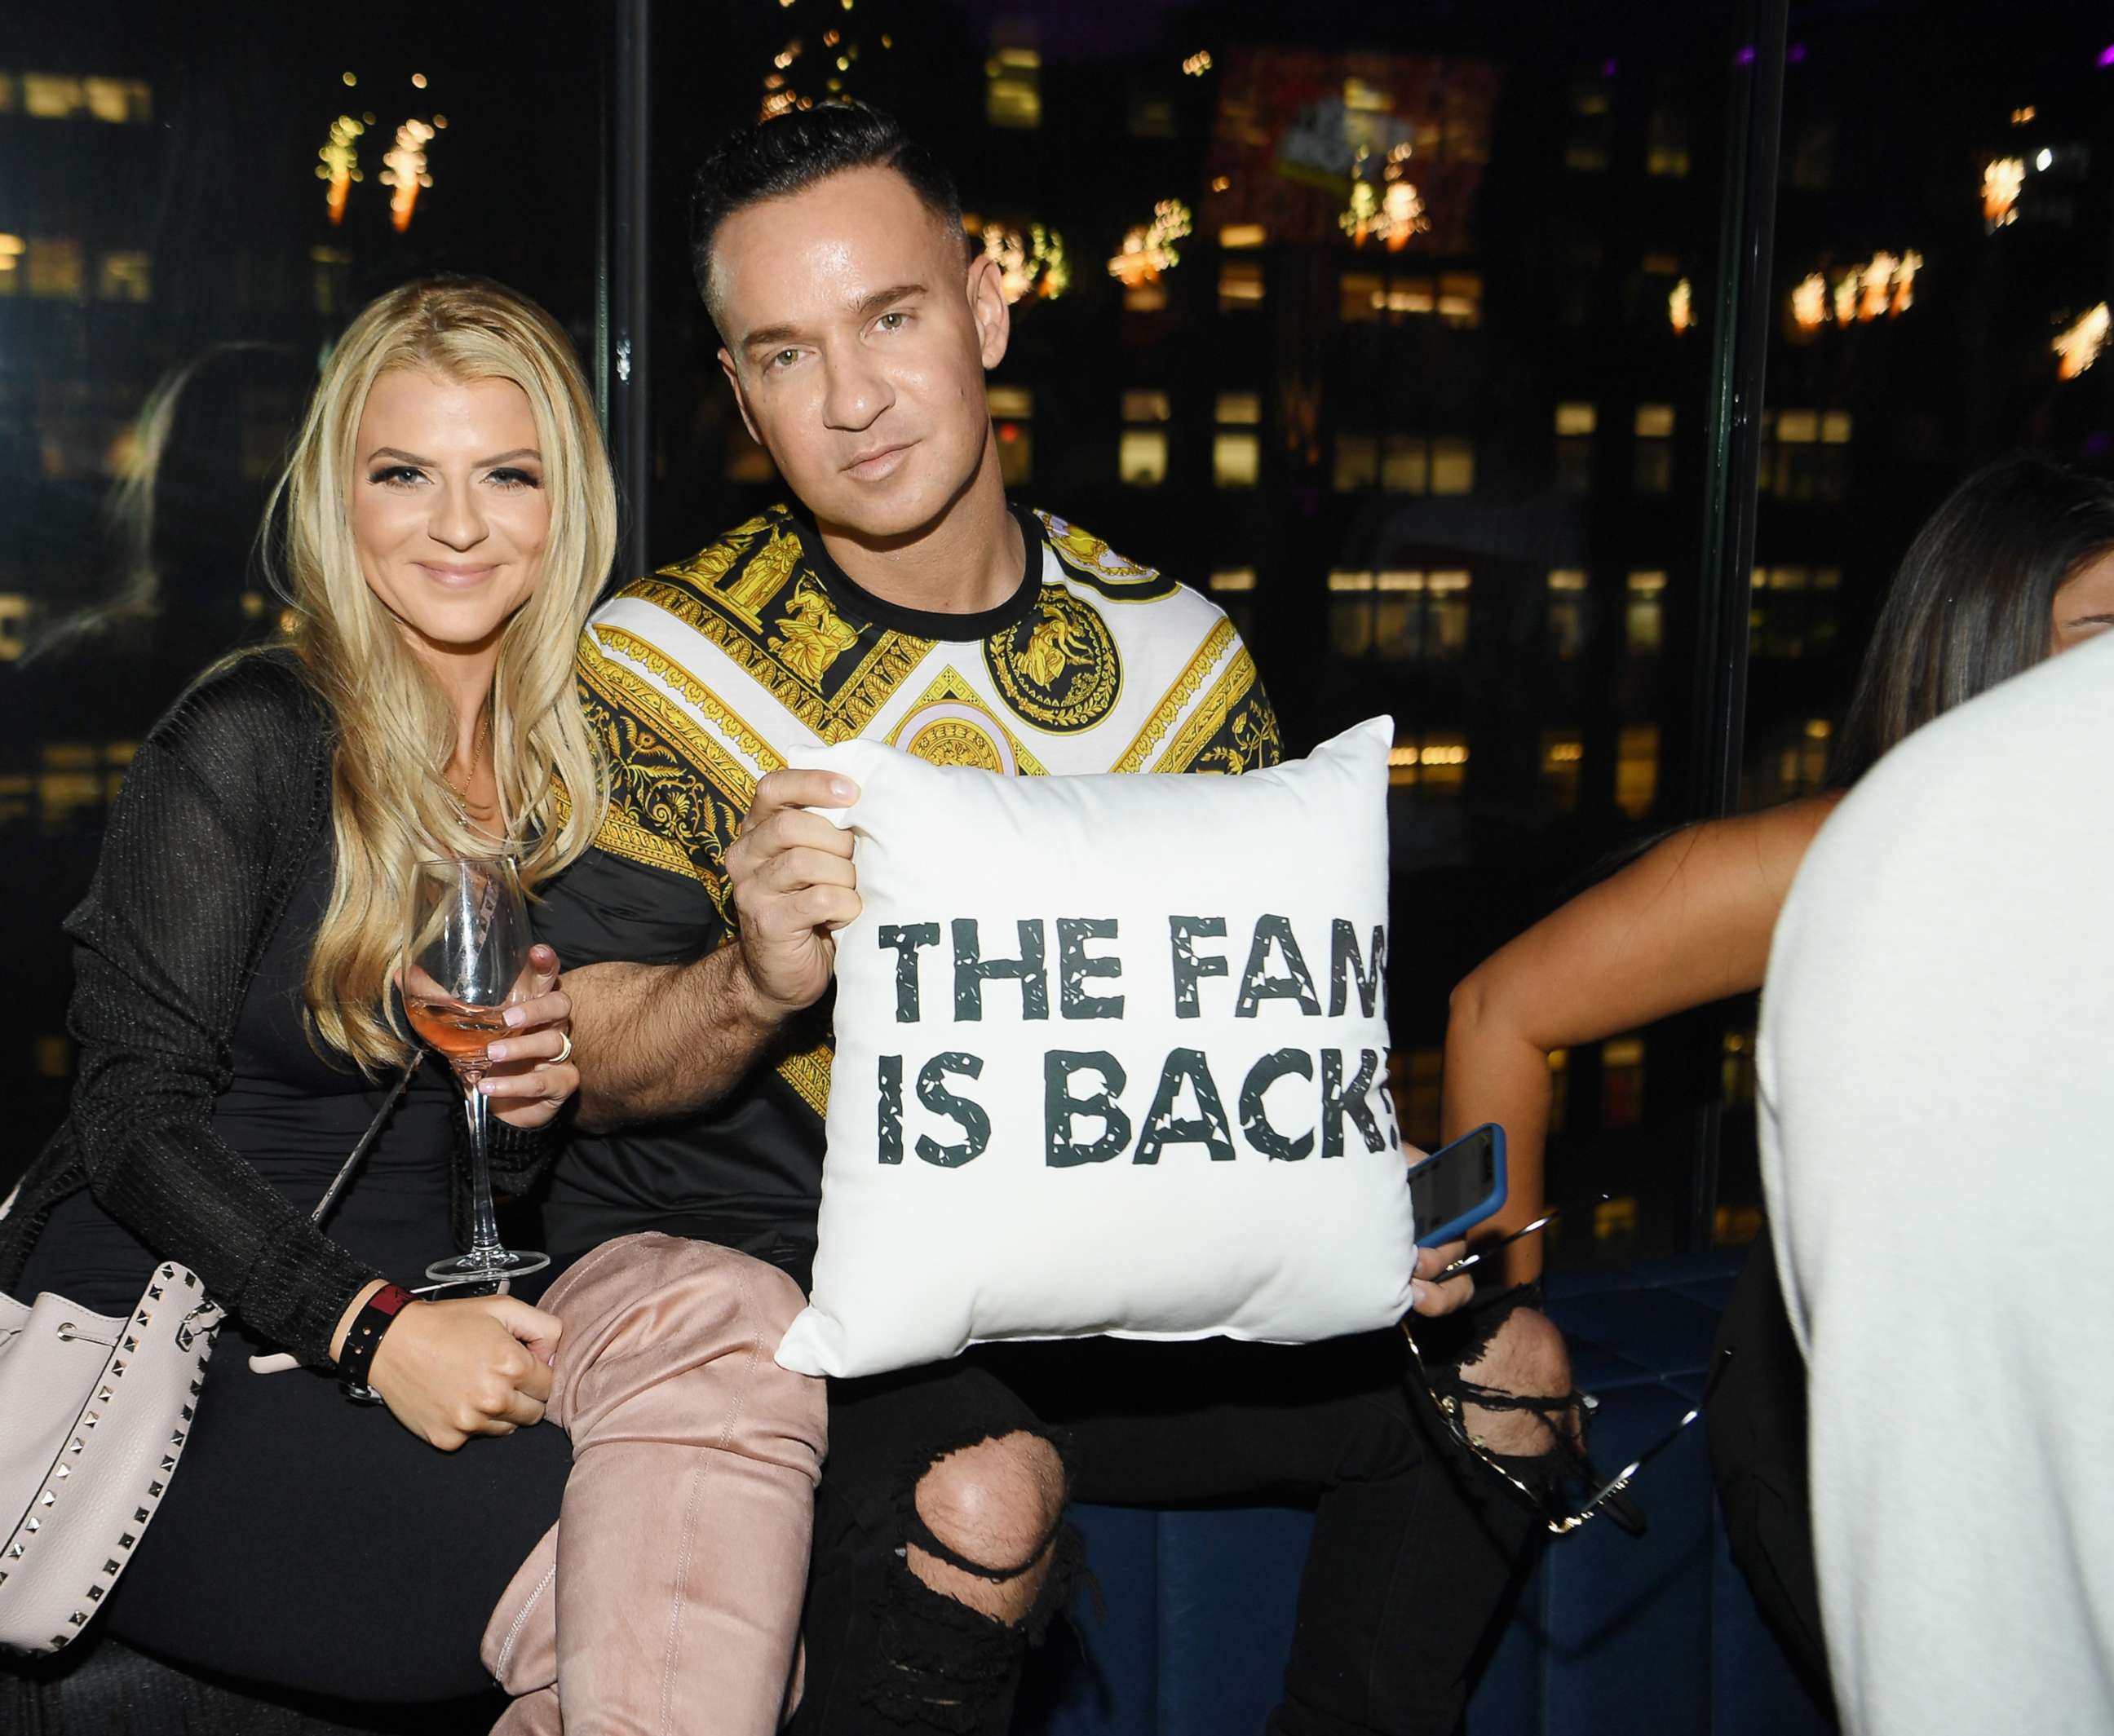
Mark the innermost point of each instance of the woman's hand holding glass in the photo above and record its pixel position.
(528, 1083)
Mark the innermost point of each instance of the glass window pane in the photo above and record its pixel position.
(1141, 457)
(1236, 460)
(1357, 462)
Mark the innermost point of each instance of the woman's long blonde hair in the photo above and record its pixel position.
(389, 805)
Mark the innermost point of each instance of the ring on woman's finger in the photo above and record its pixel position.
(564, 1054)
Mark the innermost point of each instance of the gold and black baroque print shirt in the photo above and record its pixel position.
(705, 675)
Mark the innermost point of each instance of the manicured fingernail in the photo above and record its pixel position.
(516, 1017)
(842, 788)
(497, 1051)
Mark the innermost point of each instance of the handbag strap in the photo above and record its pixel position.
(366, 1139)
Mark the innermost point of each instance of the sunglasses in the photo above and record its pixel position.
(1560, 1483)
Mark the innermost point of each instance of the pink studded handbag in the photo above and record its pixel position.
(94, 1413)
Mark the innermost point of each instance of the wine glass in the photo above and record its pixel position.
(466, 961)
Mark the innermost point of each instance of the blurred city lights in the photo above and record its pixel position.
(351, 80)
(1198, 64)
(2020, 116)
(1033, 264)
(2106, 55)
(2000, 182)
(1391, 214)
(1680, 306)
(1149, 250)
(406, 171)
(2044, 160)
(338, 164)
(1809, 302)
(2079, 345)
(417, 81)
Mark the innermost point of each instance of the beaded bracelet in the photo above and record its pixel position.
(364, 1337)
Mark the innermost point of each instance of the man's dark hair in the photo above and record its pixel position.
(776, 158)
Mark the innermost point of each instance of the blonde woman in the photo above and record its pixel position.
(445, 521)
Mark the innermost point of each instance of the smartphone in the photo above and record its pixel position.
(1458, 1185)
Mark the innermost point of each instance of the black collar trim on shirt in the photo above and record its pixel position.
(853, 599)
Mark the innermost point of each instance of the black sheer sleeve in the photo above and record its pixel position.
(203, 844)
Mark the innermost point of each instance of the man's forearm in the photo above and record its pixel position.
(652, 1041)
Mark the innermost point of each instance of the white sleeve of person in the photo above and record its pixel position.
(1111, 1057)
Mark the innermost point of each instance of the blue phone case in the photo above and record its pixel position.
(1490, 1203)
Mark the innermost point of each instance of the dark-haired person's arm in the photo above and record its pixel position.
(184, 892)
(1687, 924)
(658, 1040)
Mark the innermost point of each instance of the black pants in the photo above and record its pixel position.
(1757, 1425)
(1411, 1557)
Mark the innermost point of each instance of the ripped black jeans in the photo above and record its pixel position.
(1413, 1553)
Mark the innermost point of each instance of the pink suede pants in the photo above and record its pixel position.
(667, 1599)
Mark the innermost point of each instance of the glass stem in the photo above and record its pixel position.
(484, 1224)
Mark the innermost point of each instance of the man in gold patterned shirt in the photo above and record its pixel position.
(906, 601)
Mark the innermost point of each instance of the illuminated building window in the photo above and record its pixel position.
(1227, 579)
(1012, 416)
(1453, 466)
(1151, 117)
(1363, 297)
(1637, 769)
(1407, 297)
(1435, 763)
(1566, 613)
(1357, 463)
(1643, 621)
(1351, 619)
(124, 276)
(1416, 1078)
(1804, 454)
(7, 98)
(1236, 451)
(1788, 761)
(1622, 1090)
(1236, 460)
(1141, 457)
(69, 783)
(1461, 298)
(1792, 610)
(1240, 286)
(121, 101)
(1410, 616)
(16, 798)
(11, 274)
(56, 268)
(1586, 144)
(1575, 426)
(1562, 760)
(1141, 451)
(1406, 463)
(1666, 150)
(1238, 235)
(15, 611)
(1013, 89)
(1467, 127)
(51, 96)
(1654, 472)
(1149, 297)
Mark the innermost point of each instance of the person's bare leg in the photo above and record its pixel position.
(996, 1504)
(1526, 1357)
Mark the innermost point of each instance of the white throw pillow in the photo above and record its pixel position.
(1111, 1057)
